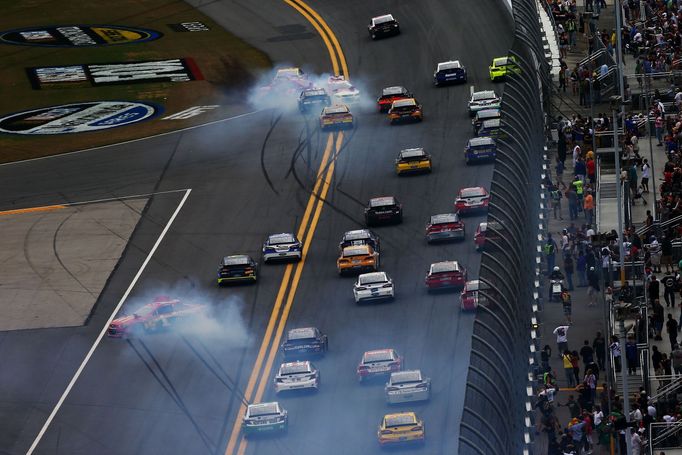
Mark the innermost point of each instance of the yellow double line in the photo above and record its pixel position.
(262, 368)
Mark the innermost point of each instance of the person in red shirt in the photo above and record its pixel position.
(591, 171)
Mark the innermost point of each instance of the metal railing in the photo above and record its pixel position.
(496, 416)
(667, 384)
(664, 435)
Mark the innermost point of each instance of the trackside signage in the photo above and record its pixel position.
(78, 35)
(77, 118)
(172, 70)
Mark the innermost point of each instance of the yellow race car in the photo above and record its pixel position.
(358, 259)
(401, 427)
(412, 160)
(405, 109)
(501, 66)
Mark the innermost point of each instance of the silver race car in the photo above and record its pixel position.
(297, 375)
(373, 286)
(404, 386)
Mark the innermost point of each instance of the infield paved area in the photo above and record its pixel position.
(56, 260)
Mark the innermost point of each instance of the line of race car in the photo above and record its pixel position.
(360, 249)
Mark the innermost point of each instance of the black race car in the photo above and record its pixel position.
(385, 209)
(313, 98)
(360, 237)
(308, 340)
(236, 268)
(383, 26)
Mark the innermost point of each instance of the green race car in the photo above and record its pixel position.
(501, 66)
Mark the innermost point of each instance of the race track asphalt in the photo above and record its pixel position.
(179, 393)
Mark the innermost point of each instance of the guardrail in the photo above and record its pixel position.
(497, 415)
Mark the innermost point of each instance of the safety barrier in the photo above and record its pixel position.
(497, 412)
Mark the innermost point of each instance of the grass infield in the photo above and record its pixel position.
(227, 64)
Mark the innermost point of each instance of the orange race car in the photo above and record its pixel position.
(356, 259)
(405, 109)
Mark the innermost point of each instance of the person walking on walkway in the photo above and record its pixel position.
(556, 196)
(671, 327)
(593, 289)
(676, 357)
(561, 333)
(588, 206)
(646, 173)
(545, 355)
(631, 354)
(567, 305)
(569, 270)
(572, 197)
(654, 289)
(614, 347)
(587, 353)
(581, 267)
(658, 124)
(599, 348)
(656, 360)
(559, 171)
(669, 289)
(568, 368)
(658, 319)
(550, 253)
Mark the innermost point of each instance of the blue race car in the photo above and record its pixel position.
(480, 149)
(449, 73)
(304, 341)
(282, 246)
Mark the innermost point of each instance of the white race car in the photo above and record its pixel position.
(404, 386)
(297, 375)
(371, 286)
(342, 91)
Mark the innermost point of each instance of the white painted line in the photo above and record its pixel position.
(181, 130)
(80, 369)
(123, 198)
(191, 112)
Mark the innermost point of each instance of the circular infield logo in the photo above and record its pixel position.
(78, 35)
(77, 118)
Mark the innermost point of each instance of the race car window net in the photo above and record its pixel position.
(373, 278)
(380, 356)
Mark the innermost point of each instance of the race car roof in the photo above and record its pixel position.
(472, 285)
(485, 114)
(445, 266)
(260, 409)
(396, 90)
(383, 201)
(289, 72)
(453, 64)
(481, 141)
(501, 61)
(237, 259)
(379, 355)
(355, 250)
(313, 92)
(396, 420)
(476, 191)
(358, 234)
(374, 277)
(483, 95)
(336, 109)
(383, 19)
(400, 377)
(285, 237)
(295, 367)
(444, 218)
(412, 153)
(302, 333)
(405, 102)
(491, 123)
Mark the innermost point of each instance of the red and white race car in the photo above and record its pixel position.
(471, 200)
(161, 314)
(446, 274)
(342, 91)
(479, 236)
(470, 297)
(287, 81)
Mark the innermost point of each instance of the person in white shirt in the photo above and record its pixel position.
(597, 416)
(561, 333)
(590, 232)
(651, 410)
(646, 173)
(576, 153)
